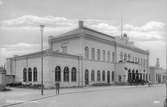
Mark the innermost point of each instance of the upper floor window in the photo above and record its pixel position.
(86, 52)
(129, 57)
(104, 55)
(139, 60)
(93, 53)
(108, 56)
(121, 55)
(98, 54)
(135, 59)
(64, 49)
(113, 57)
(125, 57)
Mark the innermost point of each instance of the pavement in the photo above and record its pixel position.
(20, 96)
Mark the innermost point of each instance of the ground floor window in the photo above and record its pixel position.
(92, 75)
(98, 75)
(103, 76)
(35, 74)
(66, 74)
(57, 73)
(29, 74)
(86, 76)
(73, 74)
(113, 75)
(24, 75)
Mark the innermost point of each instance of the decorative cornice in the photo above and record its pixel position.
(45, 53)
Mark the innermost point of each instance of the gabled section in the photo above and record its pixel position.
(80, 31)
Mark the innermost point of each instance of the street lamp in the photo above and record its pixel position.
(42, 29)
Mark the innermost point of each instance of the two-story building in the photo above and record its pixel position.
(82, 57)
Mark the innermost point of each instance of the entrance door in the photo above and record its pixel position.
(86, 77)
(108, 77)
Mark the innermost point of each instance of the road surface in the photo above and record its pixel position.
(104, 97)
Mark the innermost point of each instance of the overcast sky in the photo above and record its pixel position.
(144, 21)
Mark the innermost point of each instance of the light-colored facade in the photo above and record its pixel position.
(158, 74)
(82, 57)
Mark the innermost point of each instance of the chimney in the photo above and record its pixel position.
(80, 23)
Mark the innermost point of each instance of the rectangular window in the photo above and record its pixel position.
(121, 56)
(108, 56)
(64, 49)
(129, 56)
(93, 53)
(98, 54)
(104, 55)
(113, 57)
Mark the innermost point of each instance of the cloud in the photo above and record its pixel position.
(1, 2)
(30, 22)
(152, 30)
(18, 49)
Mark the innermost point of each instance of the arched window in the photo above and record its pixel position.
(103, 76)
(113, 77)
(93, 75)
(86, 52)
(108, 76)
(24, 75)
(66, 73)
(35, 74)
(98, 75)
(73, 74)
(29, 74)
(129, 75)
(57, 73)
(86, 77)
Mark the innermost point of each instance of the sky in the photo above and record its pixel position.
(144, 21)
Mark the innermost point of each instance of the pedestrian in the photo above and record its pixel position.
(165, 102)
(57, 87)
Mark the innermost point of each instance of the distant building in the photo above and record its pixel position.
(2, 76)
(158, 74)
(82, 57)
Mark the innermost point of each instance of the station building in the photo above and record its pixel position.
(82, 57)
(158, 74)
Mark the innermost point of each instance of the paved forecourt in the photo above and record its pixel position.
(115, 96)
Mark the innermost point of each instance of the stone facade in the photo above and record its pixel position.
(158, 74)
(82, 57)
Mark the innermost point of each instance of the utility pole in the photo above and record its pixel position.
(121, 27)
(42, 30)
(166, 78)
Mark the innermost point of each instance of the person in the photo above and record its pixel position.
(57, 87)
(165, 102)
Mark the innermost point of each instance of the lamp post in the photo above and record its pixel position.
(42, 29)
